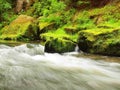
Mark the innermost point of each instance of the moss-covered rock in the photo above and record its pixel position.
(59, 33)
(58, 41)
(71, 29)
(100, 41)
(22, 28)
(45, 26)
(59, 45)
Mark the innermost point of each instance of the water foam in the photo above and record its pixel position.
(24, 67)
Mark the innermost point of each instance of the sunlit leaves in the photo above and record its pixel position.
(44, 8)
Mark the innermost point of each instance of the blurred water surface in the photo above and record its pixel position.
(27, 67)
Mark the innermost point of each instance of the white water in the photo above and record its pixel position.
(23, 68)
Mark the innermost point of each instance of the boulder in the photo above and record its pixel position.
(46, 26)
(100, 41)
(31, 49)
(22, 28)
(59, 45)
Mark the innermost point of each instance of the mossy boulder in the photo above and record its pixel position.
(59, 45)
(58, 33)
(45, 26)
(22, 28)
(71, 29)
(100, 41)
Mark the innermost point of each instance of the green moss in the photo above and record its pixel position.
(60, 33)
(59, 41)
(73, 37)
(98, 31)
(110, 24)
(83, 21)
(59, 45)
(20, 29)
(14, 31)
(105, 17)
(71, 29)
(105, 41)
(63, 21)
(43, 25)
(103, 10)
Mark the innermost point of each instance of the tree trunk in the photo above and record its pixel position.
(23, 5)
(99, 3)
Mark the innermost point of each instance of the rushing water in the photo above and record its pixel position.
(27, 67)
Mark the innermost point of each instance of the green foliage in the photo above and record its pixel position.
(59, 45)
(84, 21)
(59, 33)
(52, 18)
(4, 5)
(67, 16)
(59, 18)
(100, 41)
(6, 15)
(23, 28)
(45, 8)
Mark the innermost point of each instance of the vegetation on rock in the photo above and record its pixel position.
(92, 24)
(22, 28)
(59, 45)
(100, 41)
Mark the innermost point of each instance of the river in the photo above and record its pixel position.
(27, 67)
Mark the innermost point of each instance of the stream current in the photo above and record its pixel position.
(28, 67)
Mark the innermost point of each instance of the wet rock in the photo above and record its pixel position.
(58, 45)
(23, 28)
(45, 26)
(100, 41)
(31, 49)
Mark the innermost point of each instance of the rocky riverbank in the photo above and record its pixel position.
(94, 30)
